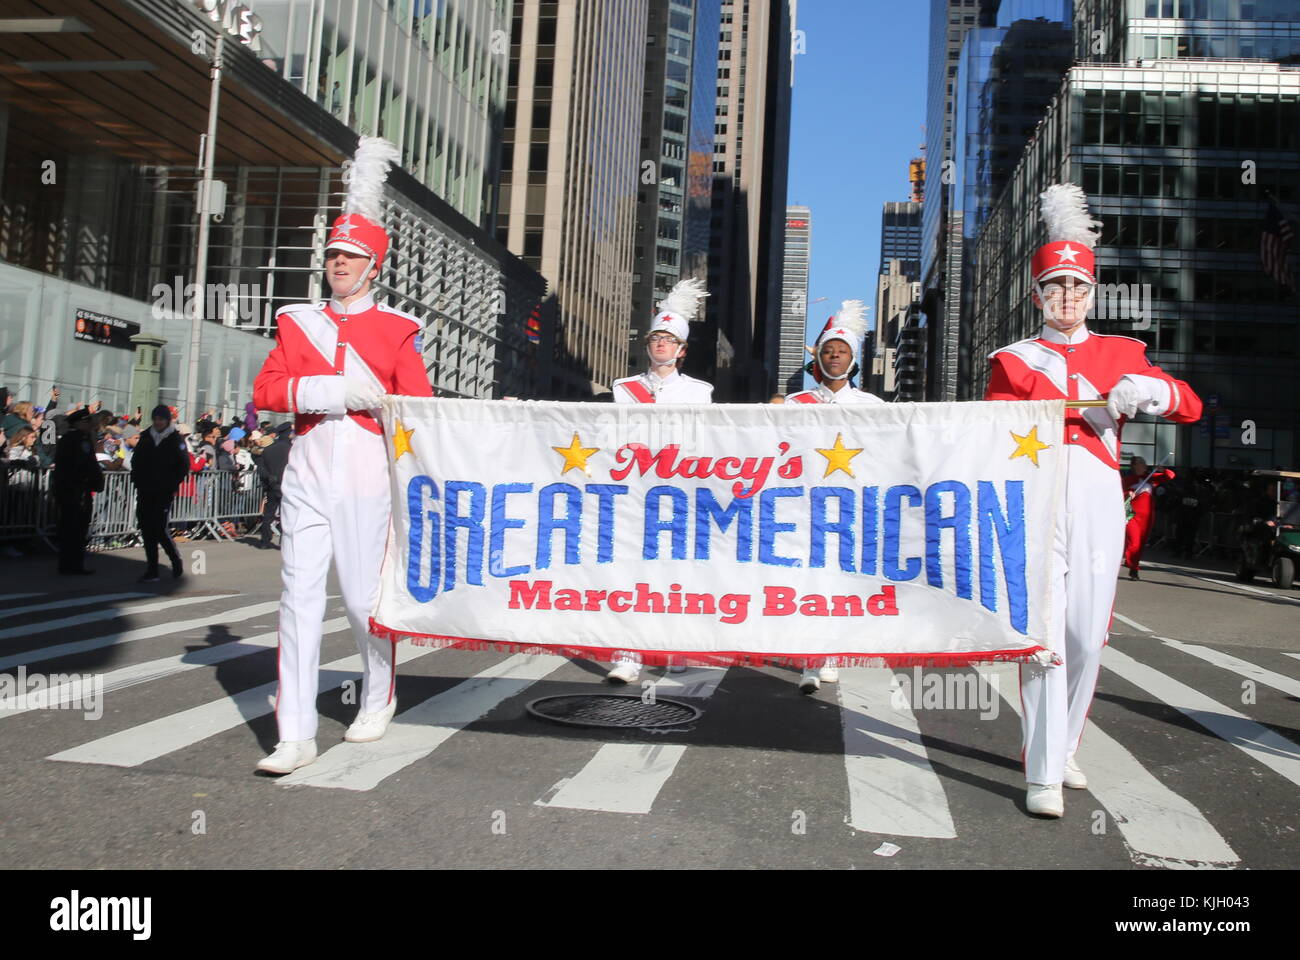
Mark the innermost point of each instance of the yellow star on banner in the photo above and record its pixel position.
(402, 441)
(839, 457)
(1028, 445)
(575, 456)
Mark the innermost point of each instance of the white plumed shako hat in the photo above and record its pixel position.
(679, 309)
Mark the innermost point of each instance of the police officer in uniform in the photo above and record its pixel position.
(77, 476)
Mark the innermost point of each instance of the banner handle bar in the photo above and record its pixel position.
(1075, 404)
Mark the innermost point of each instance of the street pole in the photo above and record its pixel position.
(201, 253)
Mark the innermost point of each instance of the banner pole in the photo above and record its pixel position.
(1075, 404)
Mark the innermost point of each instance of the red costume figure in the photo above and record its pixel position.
(1139, 484)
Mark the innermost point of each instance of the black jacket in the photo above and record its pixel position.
(76, 471)
(157, 469)
(271, 464)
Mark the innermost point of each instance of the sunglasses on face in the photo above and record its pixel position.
(662, 338)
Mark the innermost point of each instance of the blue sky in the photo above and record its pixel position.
(859, 103)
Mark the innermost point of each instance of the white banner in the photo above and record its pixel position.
(898, 534)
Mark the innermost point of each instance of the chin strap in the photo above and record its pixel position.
(370, 264)
(676, 356)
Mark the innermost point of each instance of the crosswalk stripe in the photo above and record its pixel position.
(1160, 827)
(417, 732)
(140, 633)
(149, 741)
(5, 614)
(45, 626)
(1226, 583)
(1132, 623)
(19, 596)
(693, 682)
(620, 778)
(627, 777)
(892, 787)
(1240, 667)
(1259, 742)
(156, 670)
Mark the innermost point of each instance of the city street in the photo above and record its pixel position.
(1191, 753)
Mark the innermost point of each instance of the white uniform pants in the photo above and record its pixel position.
(1088, 549)
(336, 504)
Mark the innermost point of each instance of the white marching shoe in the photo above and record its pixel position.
(371, 726)
(1045, 800)
(828, 675)
(810, 681)
(624, 671)
(289, 756)
(1074, 777)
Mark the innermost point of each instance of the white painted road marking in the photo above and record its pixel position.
(1240, 667)
(148, 741)
(1159, 827)
(417, 732)
(1132, 623)
(892, 787)
(158, 669)
(1257, 741)
(620, 778)
(140, 633)
(60, 624)
(8, 612)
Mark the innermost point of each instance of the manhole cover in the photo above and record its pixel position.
(613, 710)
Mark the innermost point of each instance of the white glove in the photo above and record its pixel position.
(319, 394)
(1134, 395)
(361, 394)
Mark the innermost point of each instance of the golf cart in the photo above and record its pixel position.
(1272, 543)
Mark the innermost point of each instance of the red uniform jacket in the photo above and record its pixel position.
(313, 340)
(1142, 502)
(1044, 369)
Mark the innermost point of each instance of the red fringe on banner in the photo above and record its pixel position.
(716, 658)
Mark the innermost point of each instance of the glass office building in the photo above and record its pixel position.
(98, 195)
(1006, 76)
(1179, 159)
(676, 165)
(1124, 31)
(430, 75)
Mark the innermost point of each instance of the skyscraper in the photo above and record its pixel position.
(794, 299)
(675, 172)
(949, 22)
(1181, 160)
(569, 177)
(750, 165)
(1006, 76)
(900, 236)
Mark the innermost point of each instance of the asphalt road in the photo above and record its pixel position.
(1192, 748)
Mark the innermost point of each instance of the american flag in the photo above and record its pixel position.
(1275, 239)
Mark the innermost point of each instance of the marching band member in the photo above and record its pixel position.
(1139, 483)
(835, 361)
(332, 364)
(663, 382)
(1068, 361)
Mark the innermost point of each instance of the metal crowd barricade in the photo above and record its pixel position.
(206, 503)
(212, 498)
(112, 520)
(24, 497)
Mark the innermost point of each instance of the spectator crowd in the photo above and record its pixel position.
(80, 445)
